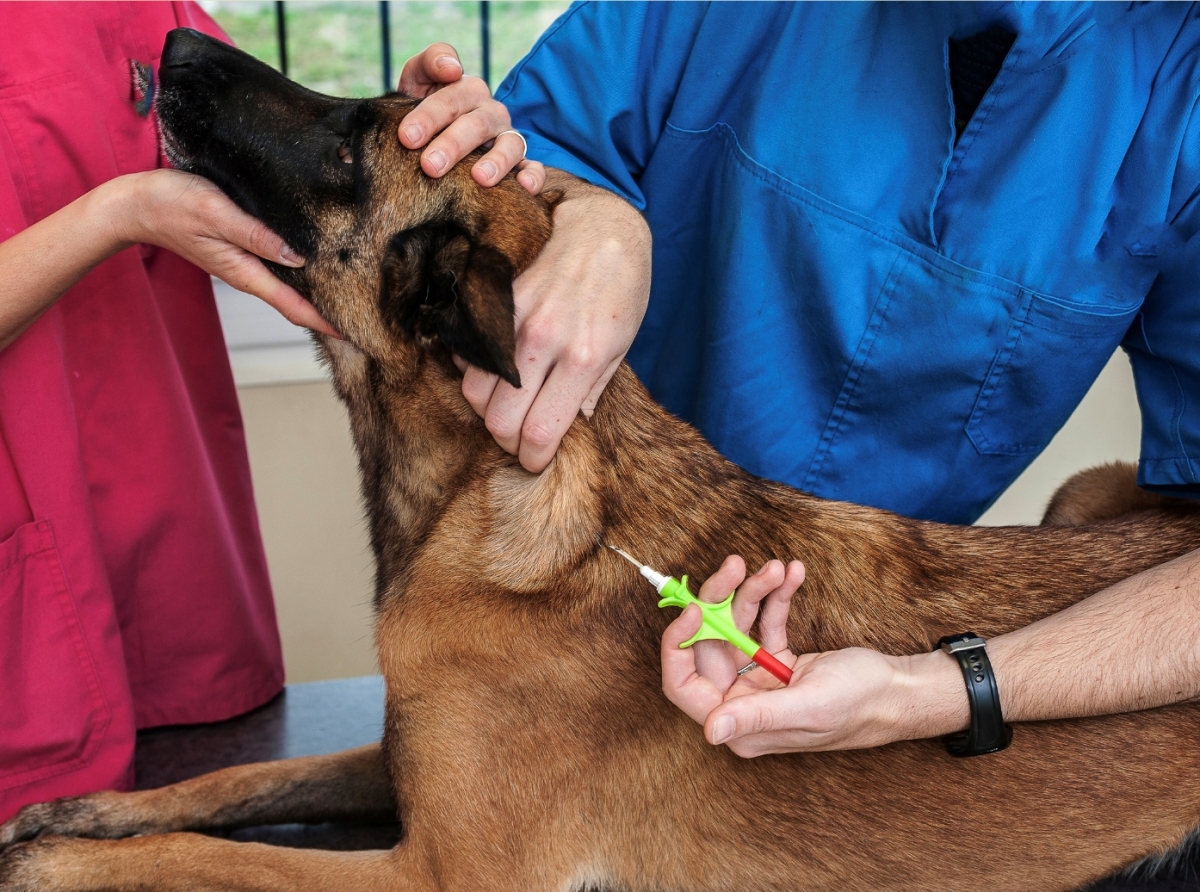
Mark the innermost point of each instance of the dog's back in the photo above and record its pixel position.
(638, 797)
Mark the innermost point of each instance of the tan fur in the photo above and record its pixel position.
(1105, 493)
(527, 743)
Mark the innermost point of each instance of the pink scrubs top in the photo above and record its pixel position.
(133, 584)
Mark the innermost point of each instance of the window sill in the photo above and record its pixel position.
(264, 348)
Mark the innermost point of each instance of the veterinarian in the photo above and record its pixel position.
(133, 584)
(894, 245)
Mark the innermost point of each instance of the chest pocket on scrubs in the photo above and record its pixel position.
(46, 130)
(838, 354)
(959, 380)
(1053, 352)
(54, 713)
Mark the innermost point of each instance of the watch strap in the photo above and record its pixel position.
(987, 732)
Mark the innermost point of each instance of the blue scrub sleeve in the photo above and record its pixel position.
(1164, 342)
(593, 95)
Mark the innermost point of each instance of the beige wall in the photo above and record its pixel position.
(1105, 427)
(306, 484)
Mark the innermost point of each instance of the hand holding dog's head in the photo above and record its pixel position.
(397, 261)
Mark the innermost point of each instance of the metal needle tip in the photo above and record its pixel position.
(626, 555)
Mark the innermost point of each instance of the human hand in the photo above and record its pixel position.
(190, 216)
(577, 309)
(459, 113)
(843, 699)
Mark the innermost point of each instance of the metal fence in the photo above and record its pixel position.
(386, 38)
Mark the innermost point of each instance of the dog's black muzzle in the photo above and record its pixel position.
(267, 142)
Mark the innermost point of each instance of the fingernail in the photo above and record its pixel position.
(289, 257)
(413, 133)
(437, 160)
(489, 170)
(443, 62)
(723, 729)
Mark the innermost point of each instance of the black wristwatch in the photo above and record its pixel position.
(988, 733)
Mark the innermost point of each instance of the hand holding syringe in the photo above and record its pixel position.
(846, 698)
(716, 619)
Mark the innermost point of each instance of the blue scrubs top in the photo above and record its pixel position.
(844, 297)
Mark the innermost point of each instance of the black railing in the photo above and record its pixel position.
(281, 35)
(385, 31)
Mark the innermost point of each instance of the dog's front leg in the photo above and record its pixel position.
(189, 862)
(350, 785)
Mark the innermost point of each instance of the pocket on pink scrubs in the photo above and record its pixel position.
(53, 714)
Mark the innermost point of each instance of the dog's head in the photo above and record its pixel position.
(397, 261)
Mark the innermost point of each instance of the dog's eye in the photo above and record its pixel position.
(345, 153)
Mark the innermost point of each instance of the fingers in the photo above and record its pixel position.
(570, 383)
(257, 238)
(457, 116)
(477, 386)
(718, 586)
(589, 402)
(577, 310)
(530, 422)
(507, 151)
(253, 236)
(506, 410)
(436, 65)
(230, 223)
(682, 684)
(767, 595)
(247, 273)
(293, 307)
(532, 175)
(774, 610)
(463, 116)
(192, 217)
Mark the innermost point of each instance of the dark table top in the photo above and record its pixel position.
(328, 716)
(305, 720)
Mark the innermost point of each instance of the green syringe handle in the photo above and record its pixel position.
(716, 620)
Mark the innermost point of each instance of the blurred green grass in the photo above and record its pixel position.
(336, 47)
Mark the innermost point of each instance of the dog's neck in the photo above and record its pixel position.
(631, 475)
(425, 456)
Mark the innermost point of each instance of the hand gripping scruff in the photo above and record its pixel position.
(716, 620)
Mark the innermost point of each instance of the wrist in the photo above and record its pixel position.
(115, 208)
(932, 699)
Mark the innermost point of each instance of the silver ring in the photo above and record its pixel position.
(749, 667)
(524, 142)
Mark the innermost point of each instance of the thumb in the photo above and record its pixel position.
(739, 717)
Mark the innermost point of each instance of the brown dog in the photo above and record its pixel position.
(527, 742)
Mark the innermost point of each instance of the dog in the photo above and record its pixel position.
(527, 743)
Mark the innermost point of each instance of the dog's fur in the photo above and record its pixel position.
(527, 742)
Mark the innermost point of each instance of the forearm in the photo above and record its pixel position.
(1132, 646)
(39, 264)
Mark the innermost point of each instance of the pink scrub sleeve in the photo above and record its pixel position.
(133, 584)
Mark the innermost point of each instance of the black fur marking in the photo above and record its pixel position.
(439, 283)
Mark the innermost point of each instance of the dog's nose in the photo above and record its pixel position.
(184, 47)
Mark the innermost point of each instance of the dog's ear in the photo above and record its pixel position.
(439, 283)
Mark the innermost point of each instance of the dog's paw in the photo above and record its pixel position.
(28, 867)
(92, 816)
